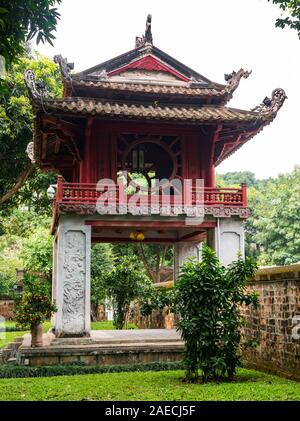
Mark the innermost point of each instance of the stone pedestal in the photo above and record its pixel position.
(71, 277)
(227, 239)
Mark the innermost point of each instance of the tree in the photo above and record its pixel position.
(292, 9)
(36, 252)
(102, 262)
(276, 222)
(21, 21)
(237, 178)
(126, 283)
(207, 299)
(20, 181)
(154, 257)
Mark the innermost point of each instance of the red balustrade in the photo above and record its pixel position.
(86, 193)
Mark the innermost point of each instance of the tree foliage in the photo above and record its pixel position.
(16, 132)
(36, 252)
(102, 261)
(34, 306)
(275, 220)
(21, 21)
(126, 283)
(291, 14)
(273, 229)
(206, 300)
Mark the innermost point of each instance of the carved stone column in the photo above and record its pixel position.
(72, 292)
(182, 251)
(227, 239)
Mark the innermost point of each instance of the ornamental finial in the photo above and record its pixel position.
(272, 105)
(233, 79)
(65, 67)
(148, 32)
(36, 88)
(147, 38)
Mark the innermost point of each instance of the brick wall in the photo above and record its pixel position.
(274, 322)
(158, 319)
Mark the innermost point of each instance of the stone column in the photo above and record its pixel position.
(182, 251)
(72, 291)
(227, 239)
(54, 277)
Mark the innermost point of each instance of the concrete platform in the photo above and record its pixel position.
(105, 347)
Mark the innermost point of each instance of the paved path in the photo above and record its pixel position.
(136, 335)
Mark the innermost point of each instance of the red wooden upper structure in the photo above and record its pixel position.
(141, 112)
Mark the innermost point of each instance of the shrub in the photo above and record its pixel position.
(34, 306)
(207, 298)
(73, 369)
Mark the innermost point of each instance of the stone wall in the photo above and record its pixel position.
(274, 324)
(6, 309)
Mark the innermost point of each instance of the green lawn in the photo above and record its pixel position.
(249, 385)
(9, 336)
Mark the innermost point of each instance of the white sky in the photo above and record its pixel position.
(212, 37)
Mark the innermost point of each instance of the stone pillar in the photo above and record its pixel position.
(54, 277)
(182, 251)
(72, 278)
(227, 239)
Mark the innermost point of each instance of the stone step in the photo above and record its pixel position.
(115, 341)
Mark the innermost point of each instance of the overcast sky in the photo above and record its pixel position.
(212, 37)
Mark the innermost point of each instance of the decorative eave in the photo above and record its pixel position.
(237, 126)
(268, 108)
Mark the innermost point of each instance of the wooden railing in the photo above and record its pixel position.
(86, 193)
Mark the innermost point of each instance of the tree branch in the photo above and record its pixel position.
(141, 253)
(19, 183)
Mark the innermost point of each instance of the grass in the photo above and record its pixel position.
(249, 385)
(7, 337)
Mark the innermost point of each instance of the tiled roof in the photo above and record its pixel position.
(138, 111)
(150, 88)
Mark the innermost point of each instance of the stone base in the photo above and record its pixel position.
(105, 348)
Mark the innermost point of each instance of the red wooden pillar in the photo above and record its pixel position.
(212, 177)
(244, 195)
(59, 192)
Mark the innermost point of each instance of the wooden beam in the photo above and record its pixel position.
(129, 241)
(193, 236)
(148, 225)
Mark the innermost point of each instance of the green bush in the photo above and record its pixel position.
(72, 369)
(34, 306)
(207, 299)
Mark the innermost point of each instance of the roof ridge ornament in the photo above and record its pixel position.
(37, 89)
(233, 79)
(146, 39)
(65, 67)
(272, 105)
